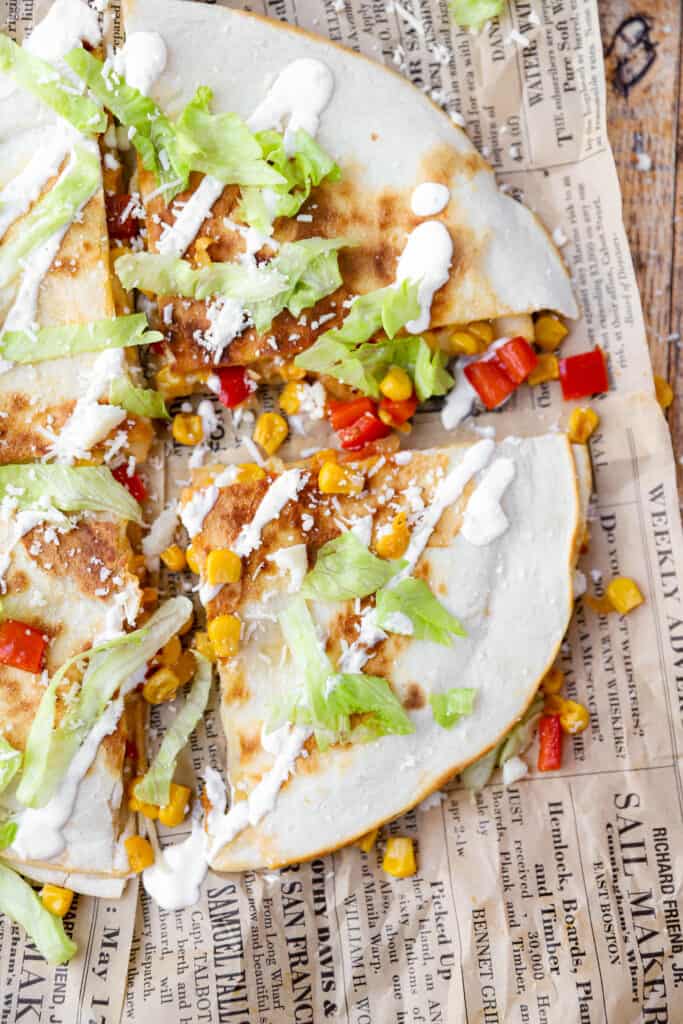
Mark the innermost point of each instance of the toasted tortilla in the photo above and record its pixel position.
(514, 597)
(387, 138)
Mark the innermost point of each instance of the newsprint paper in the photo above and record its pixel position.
(557, 899)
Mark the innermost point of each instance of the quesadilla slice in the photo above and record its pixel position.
(379, 625)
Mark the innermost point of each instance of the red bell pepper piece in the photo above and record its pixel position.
(362, 431)
(550, 739)
(584, 374)
(122, 223)
(343, 414)
(517, 358)
(22, 646)
(399, 412)
(133, 483)
(235, 386)
(490, 381)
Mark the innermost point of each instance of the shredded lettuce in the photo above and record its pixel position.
(414, 598)
(49, 749)
(477, 774)
(427, 368)
(345, 569)
(170, 275)
(325, 700)
(452, 705)
(75, 339)
(53, 211)
(69, 489)
(138, 401)
(155, 787)
(41, 79)
(8, 830)
(387, 308)
(473, 13)
(10, 762)
(311, 272)
(19, 901)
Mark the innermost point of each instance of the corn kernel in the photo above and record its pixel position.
(399, 857)
(547, 368)
(600, 605)
(170, 652)
(574, 717)
(554, 704)
(170, 384)
(482, 330)
(224, 633)
(185, 667)
(663, 391)
(396, 385)
(290, 371)
(553, 681)
(367, 841)
(624, 594)
(336, 479)
(192, 559)
(200, 255)
(173, 813)
(187, 428)
(394, 542)
(387, 418)
(270, 431)
(223, 566)
(160, 686)
(249, 473)
(549, 332)
(150, 811)
(204, 646)
(462, 343)
(56, 899)
(289, 398)
(140, 853)
(582, 424)
(174, 558)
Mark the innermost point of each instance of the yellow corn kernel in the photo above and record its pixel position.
(547, 368)
(56, 899)
(149, 596)
(624, 594)
(462, 343)
(187, 428)
(187, 625)
(224, 634)
(367, 841)
(399, 857)
(185, 667)
(204, 646)
(574, 717)
(170, 652)
(173, 813)
(289, 398)
(387, 418)
(270, 431)
(582, 424)
(174, 558)
(396, 385)
(336, 479)
(482, 330)
(150, 811)
(140, 853)
(200, 255)
(223, 566)
(160, 686)
(549, 332)
(663, 391)
(291, 372)
(170, 384)
(192, 559)
(249, 473)
(393, 543)
(553, 681)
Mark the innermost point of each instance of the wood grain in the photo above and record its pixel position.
(646, 38)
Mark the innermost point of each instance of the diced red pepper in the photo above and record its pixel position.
(235, 385)
(584, 374)
(22, 646)
(490, 381)
(132, 483)
(122, 223)
(362, 431)
(550, 740)
(343, 414)
(399, 412)
(517, 358)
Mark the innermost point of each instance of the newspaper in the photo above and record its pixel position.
(558, 897)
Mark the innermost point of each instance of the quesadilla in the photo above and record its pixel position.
(386, 623)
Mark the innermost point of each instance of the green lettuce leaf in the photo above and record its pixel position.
(69, 489)
(75, 339)
(345, 569)
(53, 211)
(155, 787)
(41, 79)
(311, 272)
(415, 599)
(19, 901)
(49, 750)
(473, 13)
(476, 775)
(452, 705)
(10, 762)
(170, 275)
(427, 368)
(138, 401)
(388, 308)
(8, 830)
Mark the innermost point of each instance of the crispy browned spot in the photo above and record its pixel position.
(234, 683)
(21, 439)
(250, 743)
(82, 553)
(414, 697)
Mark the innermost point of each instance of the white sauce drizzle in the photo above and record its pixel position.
(23, 190)
(160, 533)
(460, 399)
(194, 512)
(174, 880)
(426, 259)
(294, 561)
(90, 422)
(484, 520)
(283, 490)
(180, 235)
(298, 97)
(226, 321)
(429, 198)
(141, 60)
(67, 23)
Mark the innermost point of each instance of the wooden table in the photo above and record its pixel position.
(643, 41)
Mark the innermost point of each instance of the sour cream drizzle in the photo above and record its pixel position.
(484, 519)
(284, 489)
(429, 198)
(179, 236)
(298, 97)
(426, 259)
(23, 190)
